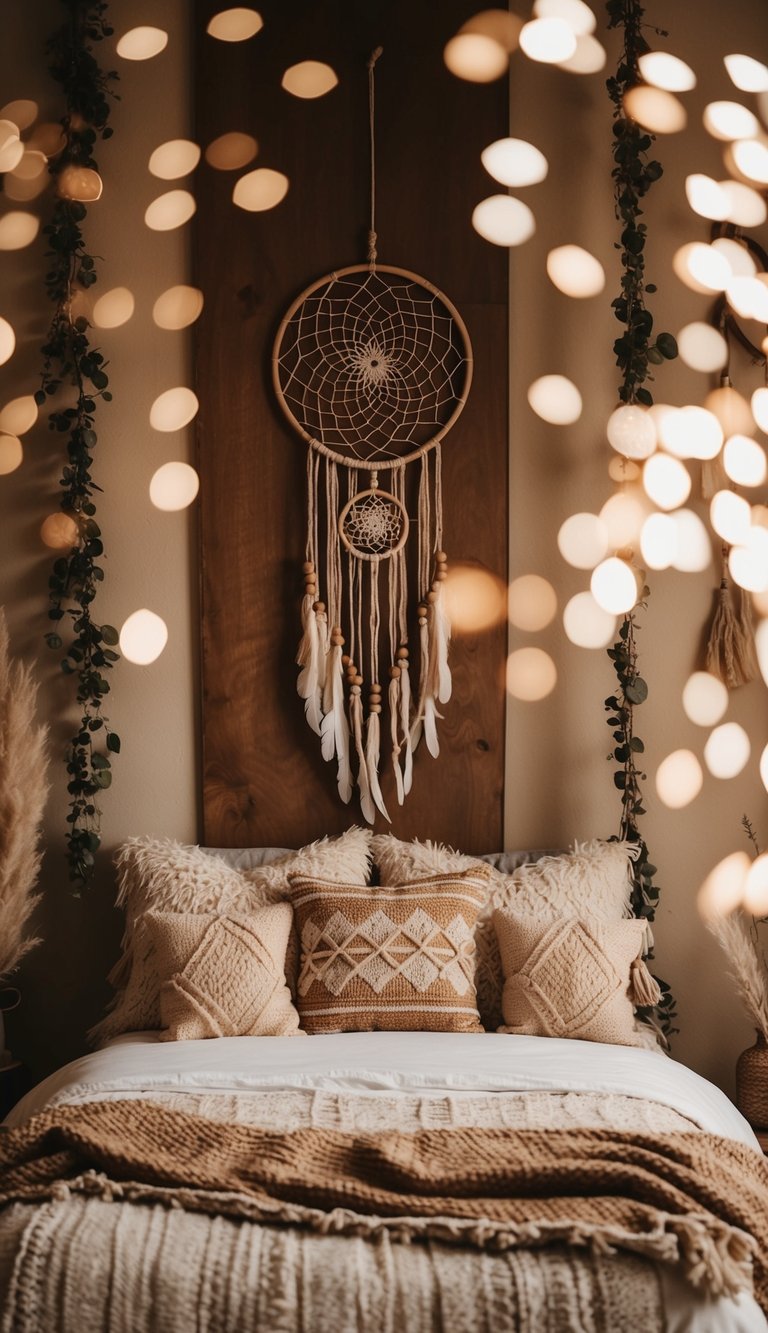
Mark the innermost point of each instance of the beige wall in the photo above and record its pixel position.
(559, 785)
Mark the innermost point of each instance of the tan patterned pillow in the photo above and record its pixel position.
(166, 876)
(594, 878)
(398, 959)
(223, 976)
(571, 977)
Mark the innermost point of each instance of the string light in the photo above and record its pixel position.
(666, 71)
(235, 25)
(745, 461)
(59, 531)
(170, 210)
(7, 341)
(727, 750)
(575, 272)
(614, 586)
(475, 57)
(702, 268)
(706, 197)
(730, 409)
(759, 405)
(694, 550)
(142, 43)
(531, 674)
(503, 220)
(583, 540)
(631, 431)
(475, 599)
(748, 560)
(656, 110)
(143, 637)
(586, 624)
(11, 453)
(231, 151)
(548, 40)
(174, 159)
(679, 779)
(114, 308)
(747, 207)
(514, 162)
(702, 347)
(588, 58)
(173, 409)
(555, 399)
(309, 79)
(705, 699)
(178, 307)
(659, 541)
(260, 190)
(19, 415)
(693, 432)
(729, 121)
(730, 516)
(666, 481)
(174, 486)
(755, 898)
(623, 515)
(575, 13)
(531, 603)
(499, 24)
(749, 75)
(723, 888)
(751, 158)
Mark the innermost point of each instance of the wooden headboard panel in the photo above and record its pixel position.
(264, 781)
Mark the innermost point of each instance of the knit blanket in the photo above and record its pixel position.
(695, 1200)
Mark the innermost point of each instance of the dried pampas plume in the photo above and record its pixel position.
(23, 789)
(745, 966)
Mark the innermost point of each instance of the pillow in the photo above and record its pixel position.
(594, 877)
(223, 976)
(573, 977)
(165, 876)
(399, 958)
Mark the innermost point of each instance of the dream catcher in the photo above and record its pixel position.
(372, 366)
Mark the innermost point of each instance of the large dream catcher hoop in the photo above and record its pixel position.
(372, 366)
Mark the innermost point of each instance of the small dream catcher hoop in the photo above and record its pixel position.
(372, 366)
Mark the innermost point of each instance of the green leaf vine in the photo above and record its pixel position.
(73, 365)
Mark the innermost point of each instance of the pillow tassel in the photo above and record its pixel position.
(643, 987)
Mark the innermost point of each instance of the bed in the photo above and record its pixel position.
(379, 1180)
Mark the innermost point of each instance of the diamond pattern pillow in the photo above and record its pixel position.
(400, 958)
(223, 976)
(570, 977)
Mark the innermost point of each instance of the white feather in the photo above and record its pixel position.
(308, 658)
(356, 712)
(442, 634)
(334, 730)
(394, 726)
(430, 726)
(415, 732)
(405, 726)
(322, 633)
(372, 755)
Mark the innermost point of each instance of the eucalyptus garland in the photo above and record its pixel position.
(636, 351)
(70, 364)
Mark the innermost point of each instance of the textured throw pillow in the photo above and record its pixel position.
(165, 876)
(400, 958)
(223, 976)
(593, 878)
(572, 976)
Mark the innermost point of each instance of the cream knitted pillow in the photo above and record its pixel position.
(165, 876)
(223, 976)
(572, 977)
(594, 877)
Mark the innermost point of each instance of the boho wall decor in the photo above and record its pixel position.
(372, 366)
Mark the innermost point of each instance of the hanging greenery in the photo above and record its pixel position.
(636, 351)
(72, 363)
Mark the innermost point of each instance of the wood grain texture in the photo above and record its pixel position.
(264, 781)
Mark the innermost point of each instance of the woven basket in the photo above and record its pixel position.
(752, 1083)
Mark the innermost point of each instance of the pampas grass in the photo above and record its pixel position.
(23, 790)
(746, 966)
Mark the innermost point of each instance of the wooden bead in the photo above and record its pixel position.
(432, 597)
(337, 640)
(440, 575)
(441, 558)
(402, 652)
(308, 567)
(357, 681)
(319, 607)
(355, 688)
(346, 660)
(374, 708)
(394, 673)
(422, 609)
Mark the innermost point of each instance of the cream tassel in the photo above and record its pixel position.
(334, 730)
(356, 718)
(394, 730)
(644, 990)
(405, 717)
(308, 655)
(373, 750)
(727, 652)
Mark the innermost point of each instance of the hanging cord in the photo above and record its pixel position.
(371, 106)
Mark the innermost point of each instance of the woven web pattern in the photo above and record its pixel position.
(373, 525)
(372, 366)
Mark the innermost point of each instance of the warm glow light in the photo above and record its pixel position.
(18, 229)
(11, 147)
(309, 79)
(631, 431)
(514, 162)
(737, 255)
(7, 341)
(693, 432)
(761, 643)
(722, 890)
(656, 110)
(679, 779)
(503, 220)
(658, 541)
(706, 197)
(747, 207)
(575, 13)
(694, 550)
(174, 486)
(587, 624)
(623, 515)
(730, 120)
(749, 298)
(475, 599)
(730, 516)
(178, 307)
(764, 767)
(701, 268)
(555, 399)
(30, 165)
(667, 71)
(59, 531)
(499, 24)
(531, 603)
(702, 347)
(759, 405)
(81, 183)
(235, 25)
(662, 414)
(667, 481)
(574, 271)
(548, 40)
(705, 699)
(231, 151)
(260, 189)
(19, 415)
(751, 158)
(531, 674)
(727, 750)
(142, 43)
(170, 210)
(744, 461)
(583, 540)
(11, 453)
(731, 410)
(143, 637)
(176, 158)
(748, 562)
(114, 308)
(621, 469)
(755, 896)
(750, 75)
(475, 57)
(614, 586)
(173, 409)
(22, 113)
(48, 138)
(23, 188)
(588, 58)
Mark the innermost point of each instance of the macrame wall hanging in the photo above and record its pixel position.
(372, 366)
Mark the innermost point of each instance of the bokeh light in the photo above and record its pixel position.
(31, 165)
(59, 531)
(658, 541)
(19, 415)
(589, 56)
(730, 408)
(514, 162)
(746, 73)
(575, 13)
(174, 159)
(747, 207)
(702, 268)
(173, 409)
(705, 699)
(309, 79)
(503, 220)
(693, 432)
(583, 540)
(748, 561)
(498, 24)
(531, 674)
(178, 307)
(22, 112)
(702, 347)
(761, 644)
(755, 896)
(114, 308)
(736, 254)
(679, 779)
(81, 183)
(656, 110)
(663, 70)
(631, 431)
(751, 158)
(475, 57)
(143, 637)
(694, 549)
(260, 190)
(706, 197)
(614, 586)
(11, 147)
(729, 121)
(587, 624)
(744, 461)
(748, 297)
(475, 599)
(727, 750)
(11, 453)
(170, 210)
(555, 399)
(231, 151)
(47, 137)
(622, 469)
(623, 516)
(174, 486)
(575, 272)
(759, 405)
(7, 341)
(666, 481)
(548, 40)
(142, 43)
(764, 767)
(730, 516)
(723, 888)
(235, 25)
(531, 602)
